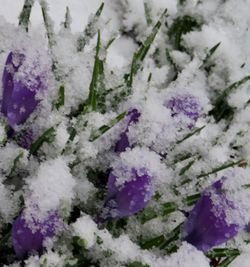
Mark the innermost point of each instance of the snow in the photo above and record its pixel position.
(52, 188)
(69, 174)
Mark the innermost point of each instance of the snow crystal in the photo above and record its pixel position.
(52, 187)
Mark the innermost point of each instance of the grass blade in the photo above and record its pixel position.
(24, 16)
(143, 50)
(103, 129)
(61, 98)
(209, 54)
(195, 131)
(223, 167)
(46, 137)
(91, 104)
(48, 23)
(68, 20)
(221, 109)
(89, 31)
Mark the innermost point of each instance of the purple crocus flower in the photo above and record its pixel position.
(129, 197)
(207, 225)
(185, 104)
(28, 236)
(123, 142)
(20, 90)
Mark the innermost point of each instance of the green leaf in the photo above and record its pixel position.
(147, 214)
(209, 54)
(195, 131)
(47, 137)
(24, 16)
(227, 261)
(137, 264)
(15, 162)
(147, 11)
(180, 26)
(67, 21)
(222, 167)
(143, 50)
(187, 167)
(48, 23)
(162, 241)
(168, 208)
(61, 96)
(89, 31)
(191, 200)
(91, 104)
(103, 129)
(222, 110)
(223, 252)
(44, 263)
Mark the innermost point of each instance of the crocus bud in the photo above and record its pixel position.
(123, 142)
(29, 235)
(208, 224)
(128, 197)
(185, 105)
(21, 82)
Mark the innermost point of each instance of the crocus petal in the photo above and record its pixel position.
(129, 198)
(22, 104)
(206, 225)
(185, 104)
(123, 142)
(12, 64)
(26, 240)
(19, 97)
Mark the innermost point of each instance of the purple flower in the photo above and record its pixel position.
(129, 197)
(20, 90)
(185, 104)
(123, 142)
(28, 236)
(207, 224)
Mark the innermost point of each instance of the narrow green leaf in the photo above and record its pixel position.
(60, 100)
(44, 263)
(91, 104)
(222, 110)
(103, 129)
(195, 131)
(143, 50)
(223, 252)
(187, 167)
(162, 241)
(46, 137)
(223, 167)
(48, 23)
(16, 160)
(181, 26)
(168, 208)
(24, 16)
(89, 31)
(147, 11)
(227, 261)
(67, 22)
(173, 63)
(137, 264)
(148, 214)
(191, 200)
(209, 54)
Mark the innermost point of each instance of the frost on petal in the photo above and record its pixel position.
(130, 197)
(123, 142)
(22, 80)
(185, 104)
(28, 235)
(207, 225)
(13, 62)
